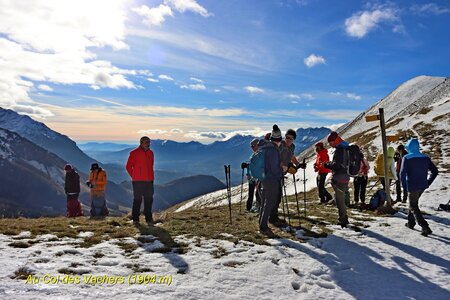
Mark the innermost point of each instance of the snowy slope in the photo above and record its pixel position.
(384, 261)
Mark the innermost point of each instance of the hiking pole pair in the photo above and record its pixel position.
(304, 184)
(228, 182)
(372, 185)
(243, 166)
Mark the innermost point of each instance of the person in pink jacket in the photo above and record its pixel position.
(140, 168)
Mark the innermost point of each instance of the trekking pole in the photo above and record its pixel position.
(372, 186)
(304, 184)
(296, 199)
(242, 186)
(227, 179)
(287, 204)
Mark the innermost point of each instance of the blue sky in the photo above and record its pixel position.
(206, 70)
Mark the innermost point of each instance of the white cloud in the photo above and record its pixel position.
(151, 131)
(176, 130)
(360, 23)
(165, 77)
(314, 60)
(335, 127)
(196, 80)
(34, 111)
(293, 96)
(152, 80)
(154, 16)
(217, 90)
(353, 96)
(307, 96)
(294, 102)
(223, 135)
(52, 41)
(44, 87)
(188, 5)
(254, 90)
(429, 9)
(194, 87)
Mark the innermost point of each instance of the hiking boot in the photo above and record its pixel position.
(343, 224)
(404, 201)
(150, 223)
(409, 226)
(136, 223)
(268, 232)
(426, 231)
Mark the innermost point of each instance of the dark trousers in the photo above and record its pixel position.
(340, 189)
(323, 193)
(142, 189)
(383, 183)
(414, 211)
(252, 186)
(270, 193)
(359, 187)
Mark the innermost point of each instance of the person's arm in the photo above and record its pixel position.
(434, 172)
(403, 170)
(394, 170)
(77, 183)
(295, 160)
(130, 164)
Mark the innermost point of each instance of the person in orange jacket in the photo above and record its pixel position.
(322, 172)
(97, 183)
(140, 168)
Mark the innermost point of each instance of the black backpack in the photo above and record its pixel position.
(353, 160)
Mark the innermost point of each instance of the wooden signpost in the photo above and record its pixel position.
(384, 140)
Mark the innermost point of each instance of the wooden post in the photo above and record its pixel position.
(385, 158)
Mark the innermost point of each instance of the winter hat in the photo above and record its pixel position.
(332, 137)
(390, 152)
(267, 136)
(254, 142)
(68, 167)
(94, 166)
(292, 133)
(276, 134)
(400, 148)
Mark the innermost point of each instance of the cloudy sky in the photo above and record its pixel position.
(204, 70)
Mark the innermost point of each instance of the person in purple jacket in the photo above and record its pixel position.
(414, 177)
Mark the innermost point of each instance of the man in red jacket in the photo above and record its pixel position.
(140, 168)
(322, 172)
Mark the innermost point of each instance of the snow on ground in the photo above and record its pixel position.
(384, 261)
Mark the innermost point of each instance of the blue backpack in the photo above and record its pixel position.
(256, 165)
(377, 199)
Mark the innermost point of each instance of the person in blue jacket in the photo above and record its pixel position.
(414, 177)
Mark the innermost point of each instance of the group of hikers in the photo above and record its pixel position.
(140, 168)
(273, 158)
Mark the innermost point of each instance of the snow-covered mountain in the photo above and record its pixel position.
(419, 108)
(193, 158)
(45, 137)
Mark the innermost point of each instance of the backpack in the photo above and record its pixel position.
(256, 165)
(74, 208)
(98, 207)
(377, 199)
(353, 160)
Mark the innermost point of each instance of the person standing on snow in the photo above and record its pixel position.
(398, 157)
(414, 176)
(379, 166)
(360, 181)
(253, 184)
(339, 178)
(322, 172)
(140, 168)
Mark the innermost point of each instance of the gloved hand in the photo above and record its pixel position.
(301, 166)
(244, 165)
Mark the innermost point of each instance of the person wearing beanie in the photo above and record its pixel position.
(339, 177)
(253, 183)
(271, 184)
(72, 189)
(97, 183)
(398, 157)
(289, 139)
(322, 172)
(414, 177)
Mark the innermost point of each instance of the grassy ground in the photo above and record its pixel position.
(209, 223)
